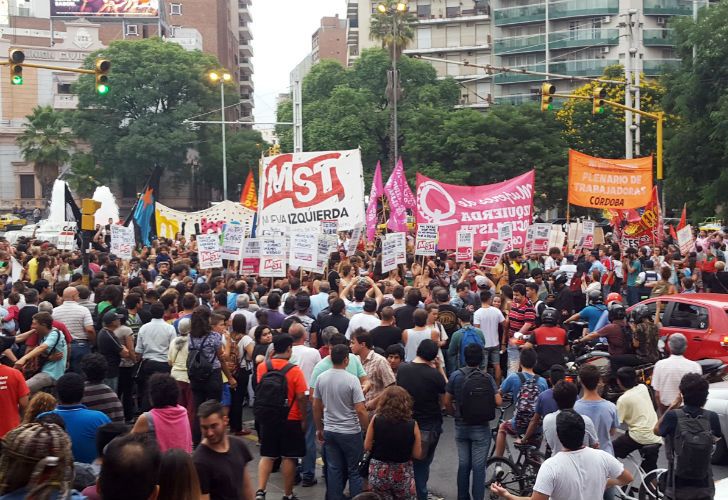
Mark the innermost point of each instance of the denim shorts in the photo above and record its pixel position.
(492, 355)
(225, 397)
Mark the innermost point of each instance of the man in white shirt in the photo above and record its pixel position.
(152, 345)
(577, 472)
(553, 261)
(243, 307)
(488, 319)
(565, 394)
(669, 372)
(367, 319)
(320, 301)
(306, 358)
(80, 325)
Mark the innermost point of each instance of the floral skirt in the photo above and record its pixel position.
(392, 480)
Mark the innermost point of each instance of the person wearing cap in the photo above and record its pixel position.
(109, 347)
(243, 307)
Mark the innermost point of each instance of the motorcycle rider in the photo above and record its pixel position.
(562, 299)
(592, 312)
(604, 318)
(550, 342)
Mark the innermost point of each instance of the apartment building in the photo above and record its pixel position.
(452, 31)
(329, 40)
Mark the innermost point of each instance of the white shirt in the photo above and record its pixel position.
(550, 264)
(362, 320)
(154, 340)
(488, 319)
(667, 376)
(618, 268)
(250, 319)
(552, 438)
(570, 270)
(76, 318)
(306, 359)
(577, 475)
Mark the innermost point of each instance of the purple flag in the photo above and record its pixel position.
(376, 192)
(400, 197)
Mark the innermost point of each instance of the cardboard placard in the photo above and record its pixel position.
(355, 238)
(426, 242)
(541, 233)
(493, 252)
(329, 226)
(304, 250)
(464, 247)
(251, 256)
(232, 242)
(272, 257)
(505, 234)
(122, 241)
(209, 251)
(390, 248)
(685, 239)
(587, 234)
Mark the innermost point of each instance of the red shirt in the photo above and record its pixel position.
(33, 339)
(550, 335)
(519, 315)
(296, 384)
(12, 389)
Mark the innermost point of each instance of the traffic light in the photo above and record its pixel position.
(88, 210)
(546, 96)
(15, 60)
(599, 94)
(102, 76)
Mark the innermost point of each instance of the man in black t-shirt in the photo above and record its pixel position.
(426, 385)
(110, 348)
(25, 316)
(220, 458)
(404, 316)
(387, 333)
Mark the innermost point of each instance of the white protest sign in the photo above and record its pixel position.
(16, 270)
(530, 234)
(390, 248)
(401, 248)
(251, 256)
(505, 234)
(122, 241)
(587, 233)
(324, 251)
(464, 246)
(355, 237)
(426, 241)
(329, 227)
(493, 252)
(232, 241)
(208, 250)
(67, 237)
(272, 257)
(685, 239)
(304, 250)
(541, 233)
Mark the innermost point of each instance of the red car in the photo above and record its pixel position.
(701, 317)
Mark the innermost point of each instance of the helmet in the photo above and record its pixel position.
(614, 297)
(560, 278)
(639, 313)
(550, 316)
(594, 297)
(616, 312)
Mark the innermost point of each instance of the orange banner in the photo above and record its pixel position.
(249, 197)
(604, 183)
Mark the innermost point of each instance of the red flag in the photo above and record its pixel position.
(249, 197)
(673, 234)
(683, 218)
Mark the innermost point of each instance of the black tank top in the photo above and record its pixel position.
(393, 440)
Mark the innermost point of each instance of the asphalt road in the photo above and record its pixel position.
(442, 474)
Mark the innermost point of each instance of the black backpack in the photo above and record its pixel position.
(199, 368)
(693, 446)
(271, 396)
(477, 404)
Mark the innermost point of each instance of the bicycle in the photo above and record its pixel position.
(516, 477)
(645, 485)
(501, 418)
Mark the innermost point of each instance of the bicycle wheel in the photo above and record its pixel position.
(504, 472)
(652, 485)
(529, 471)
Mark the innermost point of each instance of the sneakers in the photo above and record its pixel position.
(260, 495)
(307, 483)
(291, 497)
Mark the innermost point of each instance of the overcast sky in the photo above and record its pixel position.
(282, 32)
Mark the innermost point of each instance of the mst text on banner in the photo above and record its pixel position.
(478, 209)
(302, 189)
(603, 183)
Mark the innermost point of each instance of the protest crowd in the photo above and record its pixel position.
(159, 369)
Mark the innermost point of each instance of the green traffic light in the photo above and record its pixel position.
(102, 89)
(17, 80)
(600, 110)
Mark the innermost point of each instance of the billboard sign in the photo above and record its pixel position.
(105, 8)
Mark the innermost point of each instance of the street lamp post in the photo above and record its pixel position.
(394, 10)
(222, 77)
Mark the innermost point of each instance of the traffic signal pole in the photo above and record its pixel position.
(55, 68)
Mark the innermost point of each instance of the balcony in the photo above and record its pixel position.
(517, 99)
(585, 67)
(65, 101)
(246, 50)
(533, 13)
(659, 38)
(583, 38)
(455, 14)
(520, 44)
(583, 8)
(448, 50)
(244, 32)
(507, 78)
(667, 8)
(244, 15)
(246, 68)
(656, 67)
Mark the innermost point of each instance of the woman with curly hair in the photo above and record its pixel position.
(393, 438)
(42, 402)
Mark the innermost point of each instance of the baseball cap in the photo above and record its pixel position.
(111, 316)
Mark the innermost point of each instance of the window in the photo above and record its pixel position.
(481, 34)
(424, 38)
(452, 11)
(424, 11)
(688, 316)
(175, 9)
(132, 29)
(453, 36)
(64, 89)
(27, 187)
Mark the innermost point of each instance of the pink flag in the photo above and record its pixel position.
(376, 192)
(400, 198)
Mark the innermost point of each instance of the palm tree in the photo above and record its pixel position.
(47, 142)
(394, 27)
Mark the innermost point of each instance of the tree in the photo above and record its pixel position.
(603, 135)
(46, 142)
(384, 24)
(84, 175)
(139, 123)
(697, 94)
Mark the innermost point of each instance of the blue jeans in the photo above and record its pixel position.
(514, 359)
(79, 349)
(308, 467)
(422, 467)
(633, 295)
(473, 442)
(113, 383)
(343, 452)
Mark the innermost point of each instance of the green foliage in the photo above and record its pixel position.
(384, 25)
(243, 148)
(46, 142)
(697, 149)
(154, 87)
(84, 175)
